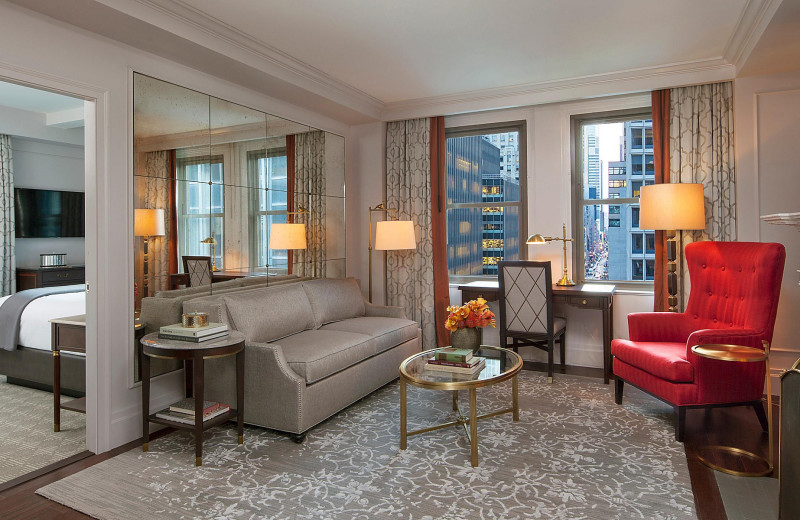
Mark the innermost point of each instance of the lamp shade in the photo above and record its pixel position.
(536, 239)
(391, 235)
(148, 222)
(672, 206)
(287, 236)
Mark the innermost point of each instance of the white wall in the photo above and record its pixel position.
(48, 166)
(767, 129)
(67, 59)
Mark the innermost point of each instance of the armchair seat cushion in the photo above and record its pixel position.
(665, 360)
(317, 354)
(386, 332)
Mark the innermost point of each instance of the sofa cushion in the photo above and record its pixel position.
(387, 332)
(264, 315)
(334, 299)
(317, 354)
(663, 360)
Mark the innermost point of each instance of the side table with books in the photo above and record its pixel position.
(193, 413)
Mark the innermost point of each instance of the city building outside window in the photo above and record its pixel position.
(200, 206)
(485, 198)
(612, 160)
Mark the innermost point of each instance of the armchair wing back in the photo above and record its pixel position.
(733, 300)
(735, 285)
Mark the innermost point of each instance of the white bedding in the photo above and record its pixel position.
(34, 327)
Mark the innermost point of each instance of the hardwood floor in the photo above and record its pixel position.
(737, 427)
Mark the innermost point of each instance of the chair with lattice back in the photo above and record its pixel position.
(526, 310)
(198, 269)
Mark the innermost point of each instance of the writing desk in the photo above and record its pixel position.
(586, 296)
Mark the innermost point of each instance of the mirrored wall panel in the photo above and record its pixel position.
(226, 196)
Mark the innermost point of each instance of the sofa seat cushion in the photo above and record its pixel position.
(317, 354)
(387, 332)
(664, 360)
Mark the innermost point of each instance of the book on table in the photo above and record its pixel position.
(186, 418)
(187, 406)
(178, 337)
(193, 332)
(474, 365)
(458, 355)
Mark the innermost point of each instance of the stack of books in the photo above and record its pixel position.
(195, 334)
(183, 411)
(456, 360)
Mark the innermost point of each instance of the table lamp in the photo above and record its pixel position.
(390, 235)
(147, 223)
(672, 207)
(538, 239)
(213, 242)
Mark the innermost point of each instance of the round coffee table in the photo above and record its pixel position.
(740, 354)
(193, 354)
(501, 365)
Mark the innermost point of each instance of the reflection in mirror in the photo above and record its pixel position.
(227, 177)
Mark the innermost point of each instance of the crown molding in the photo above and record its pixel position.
(185, 21)
(583, 87)
(752, 23)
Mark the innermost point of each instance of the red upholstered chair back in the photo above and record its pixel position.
(735, 284)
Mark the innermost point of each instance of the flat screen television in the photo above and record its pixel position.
(48, 213)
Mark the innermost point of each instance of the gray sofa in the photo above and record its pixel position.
(312, 349)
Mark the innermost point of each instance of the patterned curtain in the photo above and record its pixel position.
(8, 268)
(157, 167)
(409, 274)
(701, 151)
(309, 193)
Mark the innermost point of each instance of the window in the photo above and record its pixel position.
(612, 161)
(485, 198)
(267, 171)
(200, 204)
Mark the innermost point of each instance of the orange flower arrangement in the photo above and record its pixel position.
(472, 314)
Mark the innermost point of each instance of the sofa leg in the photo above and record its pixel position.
(298, 438)
(680, 422)
(762, 416)
(619, 384)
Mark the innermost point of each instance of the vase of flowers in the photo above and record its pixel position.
(466, 323)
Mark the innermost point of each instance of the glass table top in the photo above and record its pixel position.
(501, 364)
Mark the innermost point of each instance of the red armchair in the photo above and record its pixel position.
(734, 298)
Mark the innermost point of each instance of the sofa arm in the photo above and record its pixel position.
(658, 326)
(384, 311)
(273, 391)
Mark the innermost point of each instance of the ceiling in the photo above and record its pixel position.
(364, 60)
(396, 51)
(35, 100)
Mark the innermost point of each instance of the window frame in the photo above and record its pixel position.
(577, 122)
(180, 203)
(518, 126)
(252, 157)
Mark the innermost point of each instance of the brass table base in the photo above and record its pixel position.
(735, 451)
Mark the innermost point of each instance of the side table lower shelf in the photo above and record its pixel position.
(230, 415)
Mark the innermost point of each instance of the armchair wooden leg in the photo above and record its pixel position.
(551, 346)
(563, 344)
(762, 416)
(680, 422)
(619, 384)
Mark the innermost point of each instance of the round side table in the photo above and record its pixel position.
(193, 354)
(740, 354)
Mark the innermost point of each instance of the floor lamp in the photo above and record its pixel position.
(672, 208)
(147, 223)
(287, 236)
(390, 235)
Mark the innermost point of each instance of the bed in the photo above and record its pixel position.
(31, 363)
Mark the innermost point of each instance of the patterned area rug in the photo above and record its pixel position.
(573, 455)
(27, 439)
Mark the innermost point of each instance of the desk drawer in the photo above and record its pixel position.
(62, 276)
(70, 337)
(590, 302)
